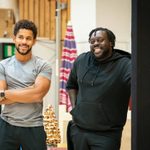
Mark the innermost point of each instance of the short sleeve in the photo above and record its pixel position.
(2, 72)
(46, 70)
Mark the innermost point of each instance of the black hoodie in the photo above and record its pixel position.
(103, 90)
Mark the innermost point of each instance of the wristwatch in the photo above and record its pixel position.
(2, 95)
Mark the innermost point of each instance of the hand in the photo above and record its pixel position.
(2, 98)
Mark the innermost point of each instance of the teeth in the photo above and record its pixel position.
(24, 46)
(97, 49)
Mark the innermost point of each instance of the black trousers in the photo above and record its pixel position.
(81, 139)
(29, 138)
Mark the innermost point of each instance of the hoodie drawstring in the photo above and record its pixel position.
(94, 78)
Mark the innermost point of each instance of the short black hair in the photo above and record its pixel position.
(110, 34)
(25, 24)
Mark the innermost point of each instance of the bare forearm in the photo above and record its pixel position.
(31, 94)
(8, 101)
(25, 95)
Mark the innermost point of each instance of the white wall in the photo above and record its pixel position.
(113, 14)
(116, 15)
(83, 17)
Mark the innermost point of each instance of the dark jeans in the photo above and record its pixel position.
(30, 138)
(82, 139)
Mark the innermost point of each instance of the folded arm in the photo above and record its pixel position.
(3, 86)
(31, 94)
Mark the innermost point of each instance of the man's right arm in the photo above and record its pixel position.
(3, 86)
(72, 85)
(73, 96)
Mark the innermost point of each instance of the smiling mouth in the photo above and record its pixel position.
(97, 50)
(23, 46)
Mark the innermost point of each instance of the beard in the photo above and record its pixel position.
(22, 52)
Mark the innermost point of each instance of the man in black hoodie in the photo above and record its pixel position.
(99, 89)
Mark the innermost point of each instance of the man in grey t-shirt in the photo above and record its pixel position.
(24, 81)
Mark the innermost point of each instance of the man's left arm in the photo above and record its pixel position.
(126, 74)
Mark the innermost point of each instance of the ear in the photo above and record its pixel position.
(111, 44)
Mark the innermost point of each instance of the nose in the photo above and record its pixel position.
(96, 43)
(24, 40)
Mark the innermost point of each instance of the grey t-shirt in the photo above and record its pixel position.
(21, 75)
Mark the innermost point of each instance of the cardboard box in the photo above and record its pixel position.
(7, 20)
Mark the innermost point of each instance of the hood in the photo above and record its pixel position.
(117, 54)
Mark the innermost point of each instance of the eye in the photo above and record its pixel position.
(98, 40)
(92, 41)
(20, 37)
(28, 38)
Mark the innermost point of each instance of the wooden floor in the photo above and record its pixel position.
(126, 138)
